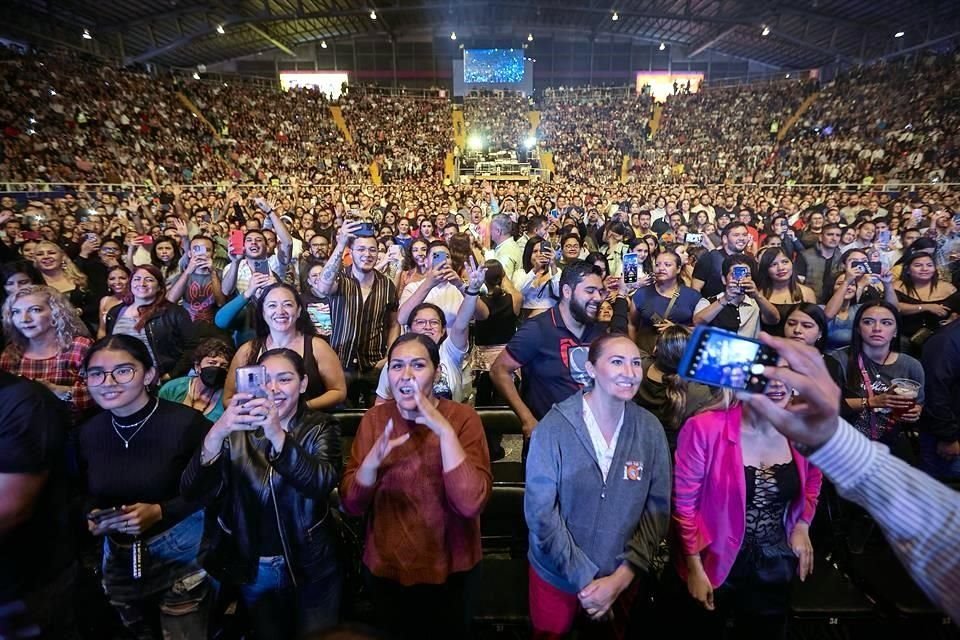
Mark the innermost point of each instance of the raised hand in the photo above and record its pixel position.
(382, 448)
(476, 276)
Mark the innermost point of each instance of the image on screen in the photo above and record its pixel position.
(725, 361)
(493, 66)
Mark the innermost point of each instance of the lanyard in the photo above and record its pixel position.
(868, 387)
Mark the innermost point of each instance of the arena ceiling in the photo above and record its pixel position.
(798, 34)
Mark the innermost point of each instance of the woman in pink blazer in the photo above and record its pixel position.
(742, 506)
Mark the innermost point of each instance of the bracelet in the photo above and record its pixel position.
(467, 292)
(864, 403)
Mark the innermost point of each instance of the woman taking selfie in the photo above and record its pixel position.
(743, 502)
(269, 464)
(589, 561)
(47, 342)
(877, 377)
(131, 457)
(163, 327)
(282, 322)
(420, 468)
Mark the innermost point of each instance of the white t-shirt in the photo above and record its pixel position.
(601, 449)
(451, 382)
(446, 296)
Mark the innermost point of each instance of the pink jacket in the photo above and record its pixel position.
(710, 492)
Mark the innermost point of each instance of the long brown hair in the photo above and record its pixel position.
(160, 303)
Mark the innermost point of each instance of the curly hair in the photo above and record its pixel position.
(67, 324)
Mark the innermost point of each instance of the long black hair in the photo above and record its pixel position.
(854, 377)
(303, 323)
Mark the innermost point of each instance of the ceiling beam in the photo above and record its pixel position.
(269, 38)
(703, 45)
(919, 47)
(803, 44)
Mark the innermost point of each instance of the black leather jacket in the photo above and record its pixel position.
(171, 336)
(249, 481)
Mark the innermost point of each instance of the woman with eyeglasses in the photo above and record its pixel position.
(420, 468)
(47, 342)
(269, 465)
(132, 455)
(163, 327)
(281, 321)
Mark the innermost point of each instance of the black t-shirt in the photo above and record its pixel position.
(33, 427)
(502, 323)
(709, 269)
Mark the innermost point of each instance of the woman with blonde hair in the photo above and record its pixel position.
(62, 274)
(47, 342)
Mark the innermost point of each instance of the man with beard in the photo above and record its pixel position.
(363, 311)
(318, 251)
(255, 258)
(708, 274)
(551, 347)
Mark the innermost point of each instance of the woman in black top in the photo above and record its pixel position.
(491, 335)
(131, 457)
(271, 463)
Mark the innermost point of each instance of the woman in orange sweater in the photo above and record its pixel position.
(420, 466)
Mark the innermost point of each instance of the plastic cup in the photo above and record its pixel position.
(905, 388)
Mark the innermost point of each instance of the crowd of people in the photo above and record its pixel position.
(500, 121)
(174, 356)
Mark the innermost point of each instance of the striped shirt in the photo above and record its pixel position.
(919, 516)
(361, 327)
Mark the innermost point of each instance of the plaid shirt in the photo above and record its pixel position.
(62, 369)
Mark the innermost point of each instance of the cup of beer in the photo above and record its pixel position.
(907, 389)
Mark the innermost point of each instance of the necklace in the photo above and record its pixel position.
(139, 425)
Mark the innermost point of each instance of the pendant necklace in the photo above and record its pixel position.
(138, 425)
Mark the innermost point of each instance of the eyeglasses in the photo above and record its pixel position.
(423, 324)
(121, 375)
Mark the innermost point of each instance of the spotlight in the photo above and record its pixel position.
(766, 31)
(898, 34)
(373, 15)
(220, 29)
(662, 46)
(196, 76)
(453, 35)
(86, 35)
(323, 44)
(530, 142)
(33, 121)
(529, 37)
(475, 142)
(615, 17)
(53, 92)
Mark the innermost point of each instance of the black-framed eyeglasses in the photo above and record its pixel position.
(121, 375)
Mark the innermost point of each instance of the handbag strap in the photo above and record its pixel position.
(673, 301)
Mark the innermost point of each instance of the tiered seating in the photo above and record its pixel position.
(500, 120)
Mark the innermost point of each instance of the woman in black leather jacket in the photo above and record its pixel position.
(272, 463)
(163, 326)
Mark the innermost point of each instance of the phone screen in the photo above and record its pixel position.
(261, 266)
(252, 380)
(740, 271)
(723, 359)
(631, 268)
(439, 258)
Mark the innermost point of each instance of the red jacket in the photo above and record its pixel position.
(710, 492)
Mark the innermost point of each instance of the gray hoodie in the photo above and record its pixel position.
(581, 527)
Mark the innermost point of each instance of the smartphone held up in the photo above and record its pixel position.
(720, 358)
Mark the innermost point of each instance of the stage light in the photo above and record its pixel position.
(196, 76)
(766, 31)
(373, 15)
(662, 46)
(529, 37)
(898, 34)
(323, 44)
(475, 142)
(86, 35)
(33, 121)
(453, 35)
(220, 29)
(616, 16)
(53, 92)
(530, 143)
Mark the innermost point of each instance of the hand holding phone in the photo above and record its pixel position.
(721, 358)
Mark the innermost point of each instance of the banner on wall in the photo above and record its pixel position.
(328, 82)
(662, 82)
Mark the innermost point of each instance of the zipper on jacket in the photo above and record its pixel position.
(283, 538)
(603, 491)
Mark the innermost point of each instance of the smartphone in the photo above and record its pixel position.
(693, 238)
(546, 247)
(631, 268)
(236, 242)
(321, 318)
(365, 231)
(92, 237)
(263, 205)
(439, 258)
(862, 265)
(100, 514)
(199, 250)
(883, 237)
(740, 271)
(252, 380)
(875, 266)
(261, 266)
(30, 235)
(720, 358)
(146, 239)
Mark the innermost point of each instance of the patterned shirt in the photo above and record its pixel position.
(63, 369)
(361, 327)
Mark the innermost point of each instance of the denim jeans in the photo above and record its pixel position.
(933, 464)
(268, 600)
(170, 600)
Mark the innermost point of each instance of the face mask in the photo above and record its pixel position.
(213, 377)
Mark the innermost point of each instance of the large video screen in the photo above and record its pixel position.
(494, 66)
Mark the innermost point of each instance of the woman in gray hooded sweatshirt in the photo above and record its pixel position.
(597, 499)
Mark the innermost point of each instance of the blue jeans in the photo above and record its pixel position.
(935, 465)
(268, 598)
(170, 600)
